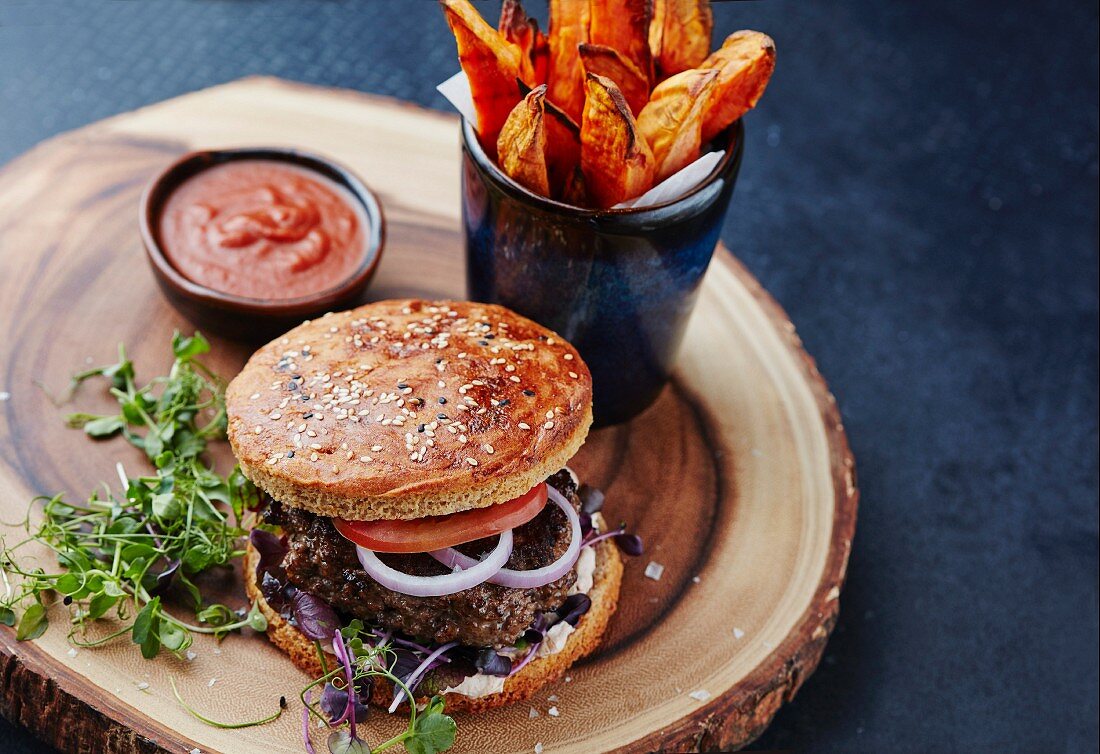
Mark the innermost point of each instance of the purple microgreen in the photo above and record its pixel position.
(631, 544)
(305, 723)
(271, 548)
(586, 524)
(345, 658)
(165, 578)
(345, 742)
(314, 617)
(575, 606)
(342, 742)
(491, 663)
(334, 701)
(417, 674)
(273, 592)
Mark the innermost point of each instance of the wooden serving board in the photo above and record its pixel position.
(739, 479)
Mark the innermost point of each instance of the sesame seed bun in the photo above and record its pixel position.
(404, 409)
(538, 673)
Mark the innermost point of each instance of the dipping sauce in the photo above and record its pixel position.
(263, 229)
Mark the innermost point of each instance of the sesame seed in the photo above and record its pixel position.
(548, 425)
(472, 461)
(488, 448)
(524, 425)
(375, 448)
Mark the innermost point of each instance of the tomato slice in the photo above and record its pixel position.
(436, 532)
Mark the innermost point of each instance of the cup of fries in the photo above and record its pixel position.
(598, 164)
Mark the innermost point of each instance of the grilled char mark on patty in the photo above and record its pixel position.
(320, 561)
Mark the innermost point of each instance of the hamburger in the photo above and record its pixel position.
(413, 455)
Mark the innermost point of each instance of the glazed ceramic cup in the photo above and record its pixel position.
(619, 284)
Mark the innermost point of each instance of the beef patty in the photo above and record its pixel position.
(320, 561)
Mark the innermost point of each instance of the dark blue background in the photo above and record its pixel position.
(919, 191)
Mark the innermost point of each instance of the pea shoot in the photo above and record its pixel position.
(118, 554)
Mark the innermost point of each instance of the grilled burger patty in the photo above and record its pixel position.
(320, 561)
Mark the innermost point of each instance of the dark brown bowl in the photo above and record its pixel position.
(240, 317)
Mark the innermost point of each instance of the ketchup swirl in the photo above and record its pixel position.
(263, 229)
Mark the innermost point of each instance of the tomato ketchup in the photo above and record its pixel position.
(263, 229)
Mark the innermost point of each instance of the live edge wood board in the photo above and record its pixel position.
(739, 479)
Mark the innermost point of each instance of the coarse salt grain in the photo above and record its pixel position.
(72, 652)
(5, 396)
(738, 633)
(538, 748)
(533, 713)
(700, 695)
(553, 712)
(142, 686)
(654, 570)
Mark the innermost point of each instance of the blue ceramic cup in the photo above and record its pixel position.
(619, 284)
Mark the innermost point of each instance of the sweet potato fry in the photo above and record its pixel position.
(745, 62)
(521, 147)
(563, 146)
(492, 65)
(672, 122)
(568, 28)
(516, 27)
(679, 35)
(540, 58)
(617, 163)
(575, 192)
(605, 61)
(624, 26)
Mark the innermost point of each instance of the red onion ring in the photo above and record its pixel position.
(470, 574)
(536, 577)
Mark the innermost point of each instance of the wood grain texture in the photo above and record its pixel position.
(739, 478)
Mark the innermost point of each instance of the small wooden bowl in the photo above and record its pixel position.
(240, 317)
